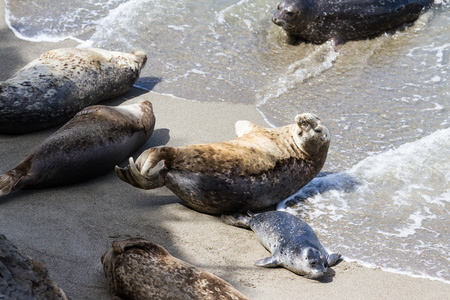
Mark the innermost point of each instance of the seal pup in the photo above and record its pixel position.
(90, 144)
(343, 20)
(24, 278)
(137, 268)
(292, 242)
(53, 88)
(259, 168)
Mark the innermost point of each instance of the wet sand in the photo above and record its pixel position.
(69, 228)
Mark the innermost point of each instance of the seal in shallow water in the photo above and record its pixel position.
(292, 242)
(53, 88)
(139, 269)
(90, 144)
(343, 20)
(256, 170)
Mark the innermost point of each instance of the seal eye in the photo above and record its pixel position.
(290, 14)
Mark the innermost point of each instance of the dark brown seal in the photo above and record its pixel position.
(90, 144)
(24, 278)
(139, 269)
(53, 88)
(256, 170)
(342, 20)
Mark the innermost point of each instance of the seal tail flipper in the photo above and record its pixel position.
(268, 262)
(7, 182)
(238, 220)
(332, 259)
(132, 176)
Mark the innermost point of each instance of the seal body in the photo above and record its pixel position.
(53, 88)
(343, 20)
(24, 278)
(90, 144)
(254, 171)
(292, 242)
(139, 269)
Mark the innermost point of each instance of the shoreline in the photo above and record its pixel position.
(69, 228)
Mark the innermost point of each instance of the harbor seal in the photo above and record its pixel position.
(53, 88)
(139, 269)
(90, 144)
(24, 278)
(343, 20)
(292, 242)
(259, 168)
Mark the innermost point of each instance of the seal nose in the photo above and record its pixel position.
(276, 20)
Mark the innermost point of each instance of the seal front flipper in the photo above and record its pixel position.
(238, 220)
(268, 262)
(332, 259)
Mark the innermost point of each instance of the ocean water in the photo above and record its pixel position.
(383, 197)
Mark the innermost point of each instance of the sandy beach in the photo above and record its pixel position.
(69, 228)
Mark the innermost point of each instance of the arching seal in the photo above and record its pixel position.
(139, 269)
(24, 278)
(90, 144)
(292, 242)
(343, 20)
(53, 88)
(258, 169)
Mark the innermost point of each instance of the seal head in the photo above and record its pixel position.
(259, 168)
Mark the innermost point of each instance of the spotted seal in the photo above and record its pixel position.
(137, 268)
(53, 88)
(292, 242)
(259, 168)
(343, 20)
(90, 144)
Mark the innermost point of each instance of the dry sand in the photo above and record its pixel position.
(69, 228)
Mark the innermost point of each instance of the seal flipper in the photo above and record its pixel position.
(238, 220)
(132, 176)
(268, 262)
(12, 180)
(7, 182)
(332, 259)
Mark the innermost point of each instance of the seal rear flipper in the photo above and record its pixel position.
(10, 181)
(132, 176)
(332, 259)
(268, 262)
(238, 220)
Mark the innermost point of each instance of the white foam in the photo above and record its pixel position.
(317, 62)
(396, 198)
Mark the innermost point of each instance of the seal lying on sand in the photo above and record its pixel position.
(292, 242)
(139, 269)
(53, 88)
(90, 144)
(343, 20)
(254, 171)
(24, 278)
